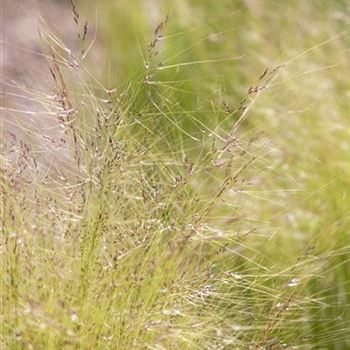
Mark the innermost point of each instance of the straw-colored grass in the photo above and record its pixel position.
(195, 196)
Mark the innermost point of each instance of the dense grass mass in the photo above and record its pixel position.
(191, 190)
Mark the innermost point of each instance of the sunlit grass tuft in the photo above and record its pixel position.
(187, 207)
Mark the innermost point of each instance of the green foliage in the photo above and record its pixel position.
(194, 197)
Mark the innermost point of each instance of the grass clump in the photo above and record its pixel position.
(182, 208)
